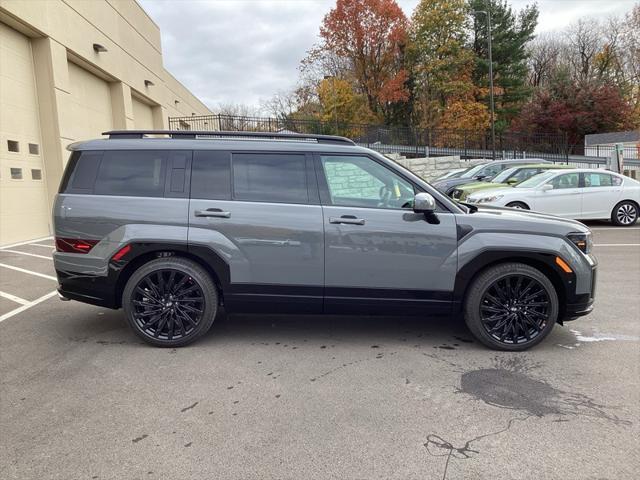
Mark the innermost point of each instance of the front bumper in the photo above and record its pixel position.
(581, 305)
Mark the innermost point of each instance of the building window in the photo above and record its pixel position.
(34, 149)
(13, 146)
(16, 174)
(36, 174)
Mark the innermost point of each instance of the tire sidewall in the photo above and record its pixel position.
(518, 205)
(484, 281)
(614, 214)
(199, 275)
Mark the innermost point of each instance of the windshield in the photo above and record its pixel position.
(536, 180)
(472, 171)
(504, 176)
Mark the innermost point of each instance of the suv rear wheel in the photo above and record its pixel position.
(511, 307)
(170, 302)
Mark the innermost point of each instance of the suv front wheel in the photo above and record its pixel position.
(170, 302)
(511, 306)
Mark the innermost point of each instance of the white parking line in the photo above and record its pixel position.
(617, 245)
(30, 272)
(28, 254)
(25, 243)
(13, 298)
(43, 246)
(619, 229)
(27, 306)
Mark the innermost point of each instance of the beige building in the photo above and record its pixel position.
(70, 70)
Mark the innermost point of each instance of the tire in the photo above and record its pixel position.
(625, 214)
(170, 302)
(518, 205)
(488, 304)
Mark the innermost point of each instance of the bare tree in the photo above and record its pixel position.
(280, 105)
(584, 41)
(544, 54)
(237, 110)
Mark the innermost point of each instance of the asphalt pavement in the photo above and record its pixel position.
(285, 397)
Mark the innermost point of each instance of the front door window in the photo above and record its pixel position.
(362, 182)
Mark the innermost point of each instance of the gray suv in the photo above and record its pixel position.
(171, 229)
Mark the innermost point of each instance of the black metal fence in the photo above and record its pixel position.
(409, 141)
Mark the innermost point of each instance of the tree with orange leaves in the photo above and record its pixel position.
(371, 35)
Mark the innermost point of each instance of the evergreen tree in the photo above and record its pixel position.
(511, 32)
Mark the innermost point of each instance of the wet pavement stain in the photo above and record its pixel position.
(189, 407)
(437, 446)
(508, 389)
(516, 390)
(137, 439)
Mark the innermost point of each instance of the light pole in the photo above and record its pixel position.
(333, 94)
(491, 104)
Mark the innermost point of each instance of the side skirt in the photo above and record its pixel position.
(249, 298)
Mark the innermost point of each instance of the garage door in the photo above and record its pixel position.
(142, 115)
(90, 113)
(24, 212)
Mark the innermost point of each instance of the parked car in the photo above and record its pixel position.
(506, 178)
(171, 229)
(453, 173)
(584, 194)
(485, 171)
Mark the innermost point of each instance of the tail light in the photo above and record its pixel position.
(74, 245)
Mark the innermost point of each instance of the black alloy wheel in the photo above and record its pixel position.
(515, 309)
(511, 306)
(170, 302)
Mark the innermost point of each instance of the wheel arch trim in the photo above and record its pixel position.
(143, 251)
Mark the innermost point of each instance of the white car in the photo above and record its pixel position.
(582, 194)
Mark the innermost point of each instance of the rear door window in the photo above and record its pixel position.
(132, 173)
(600, 180)
(270, 177)
(211, 175)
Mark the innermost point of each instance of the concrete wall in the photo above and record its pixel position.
(433, 167)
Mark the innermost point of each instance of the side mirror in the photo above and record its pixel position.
(424, 203)
(481, 177)
(512, 181)
(546, 187)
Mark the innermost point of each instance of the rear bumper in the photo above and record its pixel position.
(87, 289)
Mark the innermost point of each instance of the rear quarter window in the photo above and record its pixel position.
(134, 173)
(80, 173)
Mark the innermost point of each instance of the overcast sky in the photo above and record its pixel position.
(242, 51)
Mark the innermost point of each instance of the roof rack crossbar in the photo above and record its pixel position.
(192, 134)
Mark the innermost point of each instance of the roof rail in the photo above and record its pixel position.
(192, 134)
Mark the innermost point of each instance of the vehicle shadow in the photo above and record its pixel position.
(297, 329)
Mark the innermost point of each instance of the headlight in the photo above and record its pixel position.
(490, 199)
(584, 241)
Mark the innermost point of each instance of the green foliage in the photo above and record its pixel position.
(510, 34)
(439, 56)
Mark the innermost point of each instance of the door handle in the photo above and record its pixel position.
(347, 220)
(212, 212)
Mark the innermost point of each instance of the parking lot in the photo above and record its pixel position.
(316, 397)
